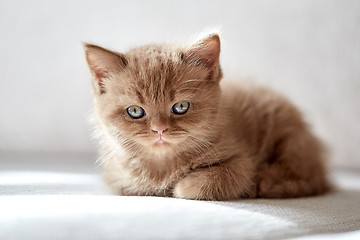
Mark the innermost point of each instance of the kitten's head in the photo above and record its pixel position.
(157, 97)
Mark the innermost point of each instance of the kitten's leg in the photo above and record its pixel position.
(227, 180)
(294, 170)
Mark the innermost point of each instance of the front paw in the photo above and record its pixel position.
(205, 184)
(191, 187)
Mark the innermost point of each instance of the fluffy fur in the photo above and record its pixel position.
(233, 142)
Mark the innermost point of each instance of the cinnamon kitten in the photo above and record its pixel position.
(167, 128)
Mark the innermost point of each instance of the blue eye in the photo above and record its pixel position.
(136, 111)
(180, 107)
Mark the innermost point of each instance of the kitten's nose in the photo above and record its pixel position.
(159, 129)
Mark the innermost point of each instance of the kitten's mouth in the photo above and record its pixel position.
(161, 140)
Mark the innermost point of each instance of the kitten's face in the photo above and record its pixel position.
(158, 97)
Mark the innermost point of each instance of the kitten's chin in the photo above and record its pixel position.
(162, 144)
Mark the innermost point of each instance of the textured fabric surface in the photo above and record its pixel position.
(74, 204)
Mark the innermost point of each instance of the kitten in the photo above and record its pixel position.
(166, 128)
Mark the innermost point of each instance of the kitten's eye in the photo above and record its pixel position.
(136, 111)
(180, 107)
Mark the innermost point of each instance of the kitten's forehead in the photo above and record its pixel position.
(155, 71)
(159, 74)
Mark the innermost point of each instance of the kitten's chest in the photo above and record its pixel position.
(146, 174)
(156, 176)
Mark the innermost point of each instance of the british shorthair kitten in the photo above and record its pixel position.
(167, 128)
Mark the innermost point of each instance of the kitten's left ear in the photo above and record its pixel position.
(206, 53)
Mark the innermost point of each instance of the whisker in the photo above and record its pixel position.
(194, 80)
(189, 88)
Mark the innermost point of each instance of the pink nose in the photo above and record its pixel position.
(159, 129)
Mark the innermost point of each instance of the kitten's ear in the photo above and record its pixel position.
(205, 52)
(101, 63)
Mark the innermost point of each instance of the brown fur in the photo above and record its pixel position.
(234, 141)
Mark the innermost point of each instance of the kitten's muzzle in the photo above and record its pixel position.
(160, 129)
(160, 132)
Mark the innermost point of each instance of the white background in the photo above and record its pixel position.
(308, 50)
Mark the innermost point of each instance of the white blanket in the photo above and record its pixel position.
(75, 204)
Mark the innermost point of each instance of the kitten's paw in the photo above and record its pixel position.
(191, 187)
(194, 186)
(206, 184)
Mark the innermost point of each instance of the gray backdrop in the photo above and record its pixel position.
(309, 50)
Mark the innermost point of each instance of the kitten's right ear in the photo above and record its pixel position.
(101, 63)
